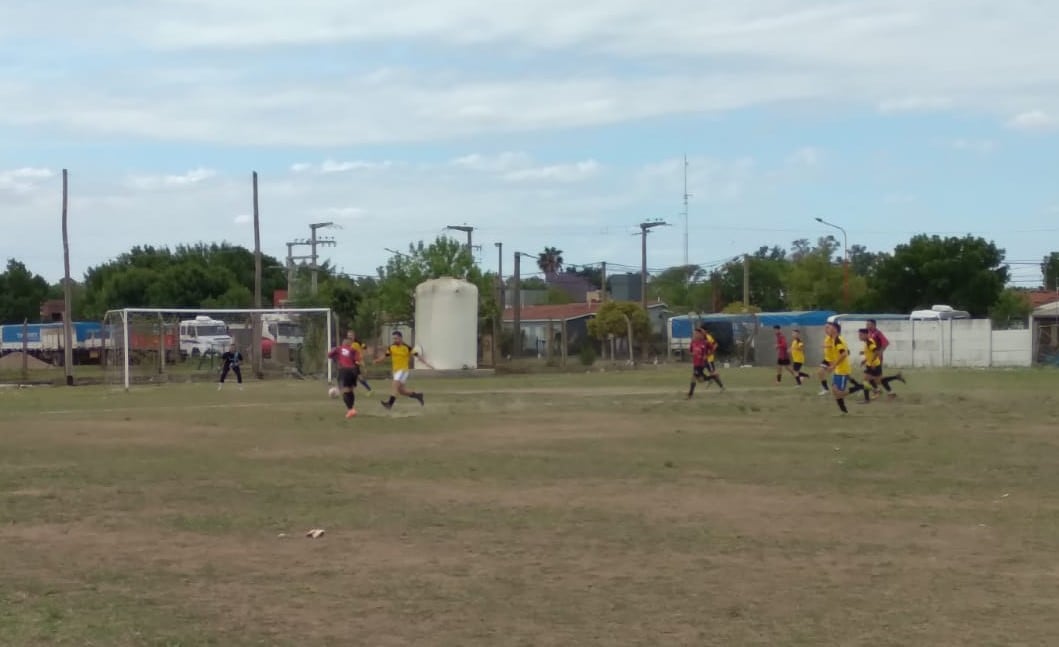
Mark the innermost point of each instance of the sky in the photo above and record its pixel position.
(537, 122)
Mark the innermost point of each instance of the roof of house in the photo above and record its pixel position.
(1040, 297)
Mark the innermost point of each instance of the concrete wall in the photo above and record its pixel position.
(964, 343)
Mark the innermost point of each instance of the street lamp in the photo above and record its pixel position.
(845, 261)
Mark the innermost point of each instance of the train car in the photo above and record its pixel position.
(47, 341)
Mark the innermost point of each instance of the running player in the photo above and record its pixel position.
(881, 344)
(783, 356)
(360, 348)
(401, 355)
(349, 362)
(872, 362)
(839, 367)
(798, 356)
(829, 358)
(698, 361)
(231, 361)
(711, 357)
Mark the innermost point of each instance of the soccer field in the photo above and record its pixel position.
(589, 509)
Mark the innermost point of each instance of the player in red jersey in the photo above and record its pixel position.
(783, 357)
(348, 358)
(698, 360)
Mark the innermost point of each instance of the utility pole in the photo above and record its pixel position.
(516, 308)
(68, 337)
(255, 327)
(644, 228)
(467, 229)
(500, 272)
(845, 262)
(314, 242)
(603, 292)
(498, 320)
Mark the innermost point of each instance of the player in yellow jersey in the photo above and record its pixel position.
(842, 383)
(873, 369)
(829, 358)
(401, 355)
(358, 346)
(798, 356)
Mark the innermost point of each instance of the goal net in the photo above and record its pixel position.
(144, 346)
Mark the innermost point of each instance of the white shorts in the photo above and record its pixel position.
(400, 376)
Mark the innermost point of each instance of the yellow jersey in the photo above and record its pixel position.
(871, 354)
(400, 356)
(359, 347)
(711, 348)
(829, 350)
(841, 361)
(797, 351)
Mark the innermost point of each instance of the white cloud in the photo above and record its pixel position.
(243, 219)
(914, 104)
(897, 55)
(1033, 121)
(498, 163)
(974, 145)
(807, 156)
(333, 166)
(555, 173)
(23, 180)
(153, 182)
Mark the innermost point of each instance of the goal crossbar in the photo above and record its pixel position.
(125, 312)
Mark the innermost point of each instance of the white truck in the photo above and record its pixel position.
(203, 335)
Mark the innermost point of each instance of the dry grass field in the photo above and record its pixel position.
(591, 509)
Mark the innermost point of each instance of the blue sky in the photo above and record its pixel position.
(540, 123)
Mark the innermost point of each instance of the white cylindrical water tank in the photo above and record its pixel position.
(447, 323)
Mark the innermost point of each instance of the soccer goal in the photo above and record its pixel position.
(143, 346)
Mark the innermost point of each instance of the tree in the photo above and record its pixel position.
(683, 288)
(767, 282)
(200, 275)
(862, 262)
(590, 273)
(550, 261)
(1050, 270)
(443, 257)
(610, 320)
(21, 294)
(967, 273)
(816, 282)
(1011, 306)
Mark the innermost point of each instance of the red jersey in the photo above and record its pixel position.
(347, 356)
(698, 352)
(782, 351)
(880, 340)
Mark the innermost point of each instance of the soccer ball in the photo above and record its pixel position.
(333, 392)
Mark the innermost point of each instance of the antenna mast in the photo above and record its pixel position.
(685, 214)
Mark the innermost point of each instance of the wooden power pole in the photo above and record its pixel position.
(255, 342)
(68, 345)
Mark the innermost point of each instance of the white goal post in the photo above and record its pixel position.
(185, 344)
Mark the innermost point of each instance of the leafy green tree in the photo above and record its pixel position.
(21, 293)
(610, 320)
(1050, 270)
(683, 288)
(767, 281)
(817, 282)
(1012, 306)
(590, 273)
(557, 297)
(967, 273)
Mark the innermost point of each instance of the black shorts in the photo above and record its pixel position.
(347, 377)
(783, 362)
(797, 366)
(873, 371)
(711, 368)
(698, 372)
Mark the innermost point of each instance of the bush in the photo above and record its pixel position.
(587, 355)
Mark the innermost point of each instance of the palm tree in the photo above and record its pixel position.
(550, 261)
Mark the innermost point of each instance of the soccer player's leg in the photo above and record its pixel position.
(697, 375)
(711, 368)
(238, 374)
(224, 375)
(839, 386)
(824, 387)
(347, 379)
(395, 389)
